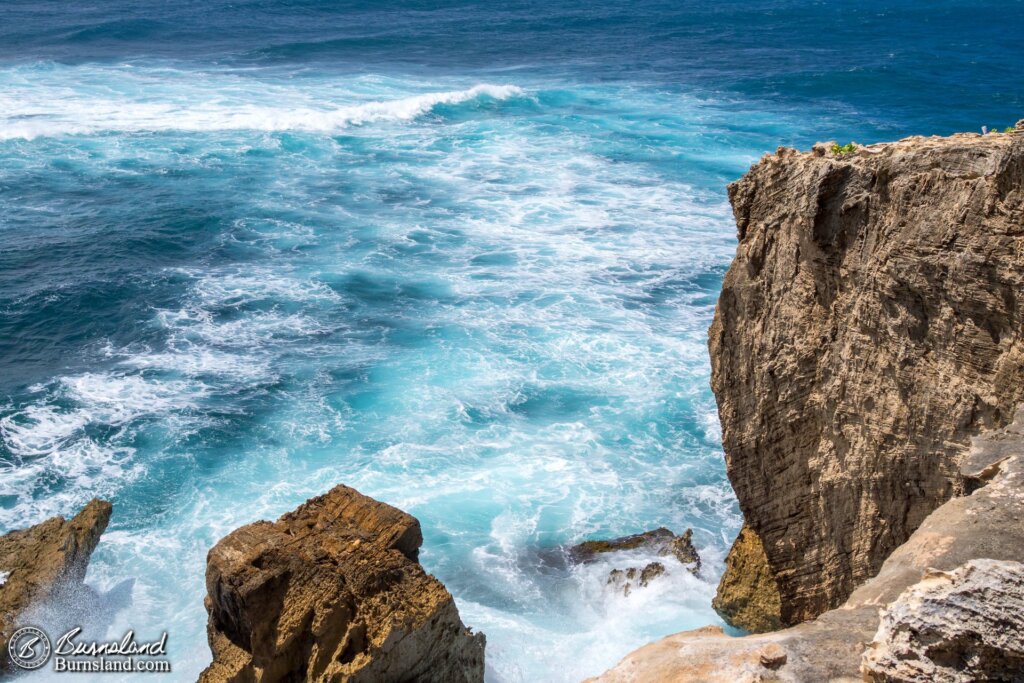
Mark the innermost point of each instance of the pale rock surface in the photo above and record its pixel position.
(953, 627)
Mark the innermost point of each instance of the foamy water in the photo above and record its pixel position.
(465, 306)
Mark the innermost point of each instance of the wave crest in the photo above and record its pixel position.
(43, 117)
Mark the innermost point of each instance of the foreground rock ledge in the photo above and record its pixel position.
(989, 523)
(44, 563)
(333, 592)
(869, 325)
(958, 627)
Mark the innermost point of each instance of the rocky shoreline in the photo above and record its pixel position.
(868, 361)
(867, 356)
(44, 564)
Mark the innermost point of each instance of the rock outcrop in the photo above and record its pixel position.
(44, 563)
(333, 591)
(989, 523)
(660, 541)
(871, 323)
(625, 580)
(747, 594)
(953, 627)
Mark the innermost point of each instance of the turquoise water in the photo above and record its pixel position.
(462, 258)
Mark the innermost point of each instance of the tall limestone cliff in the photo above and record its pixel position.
(871, 323)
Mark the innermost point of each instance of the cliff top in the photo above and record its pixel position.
(953, 154)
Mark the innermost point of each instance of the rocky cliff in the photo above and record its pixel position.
(871, 322)
(44, 563)
(333, 592)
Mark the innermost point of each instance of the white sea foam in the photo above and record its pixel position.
(196, 361)
(40, 429)
(33, 112)
(116, 399)
(109, 399)
(233, 288)
(51, 438)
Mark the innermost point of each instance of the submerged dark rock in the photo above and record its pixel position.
(660, 541)
(625, 579)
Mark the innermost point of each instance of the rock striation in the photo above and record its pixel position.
(44, 563)
(989, 523)
(871, 323)
(953, 627)
(333, 591)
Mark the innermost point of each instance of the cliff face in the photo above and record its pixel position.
(333, 592)
(45, 562)
(871, 322)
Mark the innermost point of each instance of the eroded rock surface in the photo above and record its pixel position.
(747, 595)
(44, 562)
(953, 627)
(333, 592)
(870, 323)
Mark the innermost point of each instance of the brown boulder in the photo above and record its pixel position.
(45, 562)
(333, 592)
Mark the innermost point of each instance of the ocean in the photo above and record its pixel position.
(461, 256)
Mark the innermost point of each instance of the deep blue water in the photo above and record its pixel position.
(460, 256)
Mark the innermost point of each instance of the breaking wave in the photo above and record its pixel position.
(91, 111)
